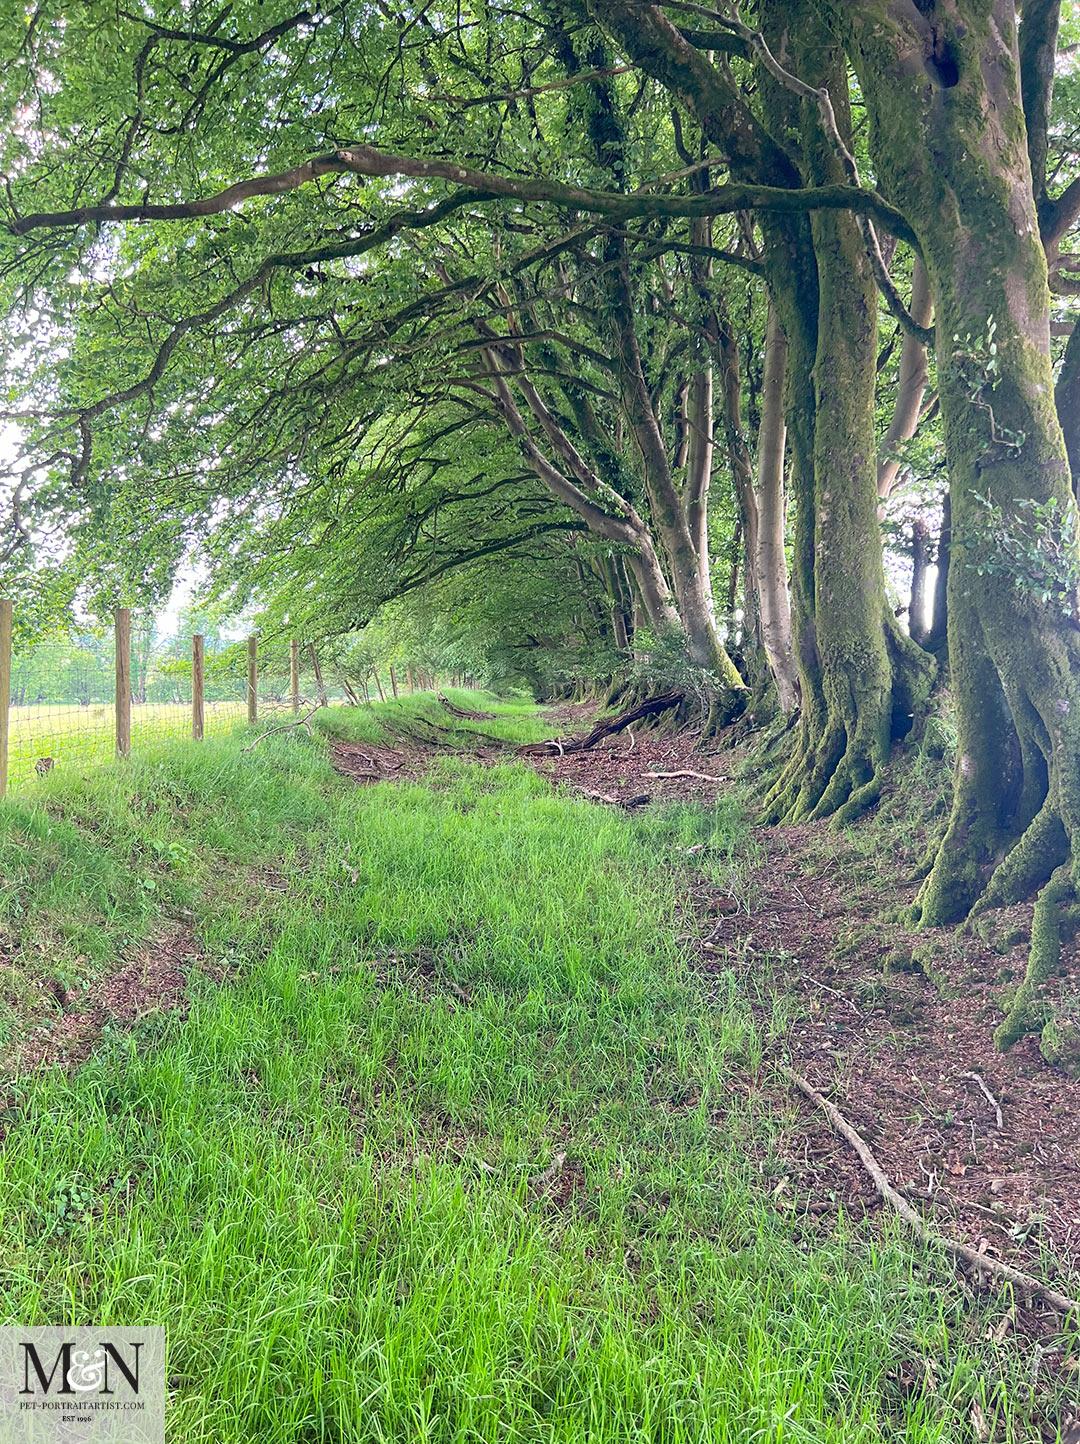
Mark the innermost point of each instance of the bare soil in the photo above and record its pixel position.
(154, 981)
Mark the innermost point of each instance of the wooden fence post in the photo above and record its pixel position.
(198, 687)
(294, 674)
(5, 688)
(122, 644)
(253, 681)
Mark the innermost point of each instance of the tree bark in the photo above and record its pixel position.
(772, 563)
(873, 679)
(669, 518)
(937, 638)
(920, 554)
(319, 685)
(1067, 399)
(959, 165)
(911, 388)
(742, 473)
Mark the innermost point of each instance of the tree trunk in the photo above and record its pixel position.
(773, 598)
(937, 638)
(699, 406)
(742, 473)
(920, 553)
(690, 582)
(958, 164)
(699, 460)
(914, 372)
(319, 687)
(1067, 398)
(873, 679)
(737, 553)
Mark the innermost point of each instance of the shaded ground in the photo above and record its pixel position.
(903, 1055)
(623, 768)
(900, 1043)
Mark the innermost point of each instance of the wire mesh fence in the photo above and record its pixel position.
(82, 699)
(69, 702)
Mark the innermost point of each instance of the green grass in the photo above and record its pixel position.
(516, 721)
(75, 736)
(322, 1180)
(78, 737)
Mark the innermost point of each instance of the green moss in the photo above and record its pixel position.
(1060, 1043)
(901, 960)
(1028, 1010)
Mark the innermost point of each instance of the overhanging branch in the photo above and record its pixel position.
(363, 160)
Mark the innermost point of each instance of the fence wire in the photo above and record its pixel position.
(63, 698)
(63, 713)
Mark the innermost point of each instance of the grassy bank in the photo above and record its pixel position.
(449, 1144)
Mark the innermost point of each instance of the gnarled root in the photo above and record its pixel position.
(1027, 1014)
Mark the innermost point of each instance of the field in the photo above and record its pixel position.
(74, 735)
(445, 1141)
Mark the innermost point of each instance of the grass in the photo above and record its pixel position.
(77, 736)
(335, 1181)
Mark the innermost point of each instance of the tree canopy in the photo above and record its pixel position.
(600, 329)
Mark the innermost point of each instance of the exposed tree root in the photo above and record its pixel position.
(836, 770)
(463, 712)
(651, 707)
(1026, 1014)
(1031, 1286)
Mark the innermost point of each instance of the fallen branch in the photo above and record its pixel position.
(702, 776)
(914, 1219)
(994, 1104)
(284, 727)
(463, 712)
(648, 708)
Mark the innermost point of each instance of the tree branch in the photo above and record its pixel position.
(364, 160)
(820, 97)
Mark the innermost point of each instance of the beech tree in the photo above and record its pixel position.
(525, 233)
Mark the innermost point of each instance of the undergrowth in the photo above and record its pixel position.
(459, 1150)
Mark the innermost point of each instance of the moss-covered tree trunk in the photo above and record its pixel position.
(871, 677)
(667, 510)
(860, 679)
(949, 141)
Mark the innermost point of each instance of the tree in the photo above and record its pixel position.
(520, 281)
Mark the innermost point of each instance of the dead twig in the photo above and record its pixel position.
(913, 1219)
(994, 1104)
(701, 776)
(284, 727)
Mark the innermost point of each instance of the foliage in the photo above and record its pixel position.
(1036, 545)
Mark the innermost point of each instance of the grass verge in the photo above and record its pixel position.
(460, 1151)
